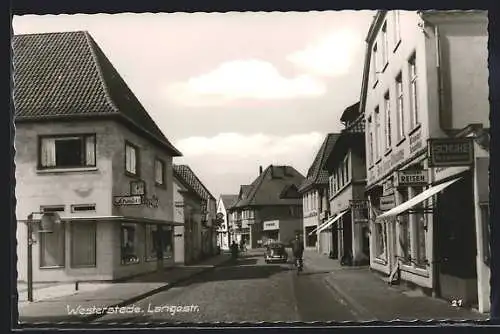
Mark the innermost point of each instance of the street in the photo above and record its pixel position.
(249, 290)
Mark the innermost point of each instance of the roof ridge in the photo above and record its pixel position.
(97, 65)
(258, 181)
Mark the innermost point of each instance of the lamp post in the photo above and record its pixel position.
(47, 220)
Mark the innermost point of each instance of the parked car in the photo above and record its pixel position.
(276, 252)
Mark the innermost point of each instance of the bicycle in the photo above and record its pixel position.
(299, 264)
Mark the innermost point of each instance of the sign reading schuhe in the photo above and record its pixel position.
(450, 152)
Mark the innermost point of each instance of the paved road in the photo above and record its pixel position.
(249, 290)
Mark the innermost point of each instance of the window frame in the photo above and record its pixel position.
(387, 121)
(72, 239)
(81, 136)
(163, 184)
(385, 47)
(41, 241)
(396, 15)
(148, 241)
(122, 244)
(413, 86)
(375, 70)
(400, 119)
(378, 151)
(137, 160)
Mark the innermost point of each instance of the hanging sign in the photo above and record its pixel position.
(387, 202)
(412, 178)
(450, 152)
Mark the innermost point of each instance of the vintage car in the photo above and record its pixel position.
(275, 252)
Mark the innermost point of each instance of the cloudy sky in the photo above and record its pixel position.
(233, 91)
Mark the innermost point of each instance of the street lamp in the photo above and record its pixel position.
(47, 221)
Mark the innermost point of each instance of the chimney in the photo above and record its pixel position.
(260, 170)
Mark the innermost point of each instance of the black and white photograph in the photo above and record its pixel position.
(252, 167)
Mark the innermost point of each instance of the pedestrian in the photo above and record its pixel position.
(234, 250)
(297, 249)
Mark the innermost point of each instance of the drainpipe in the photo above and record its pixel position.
(438, 73)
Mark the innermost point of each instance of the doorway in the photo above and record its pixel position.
(455, 243)
(334, 251)
(347, 238)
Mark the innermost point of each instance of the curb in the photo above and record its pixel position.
(166, 287)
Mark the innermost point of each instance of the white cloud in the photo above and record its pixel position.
(237, 153)
(329, 56)
(243, 79)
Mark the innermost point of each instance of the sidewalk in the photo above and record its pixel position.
(373, 299)
(112, 295)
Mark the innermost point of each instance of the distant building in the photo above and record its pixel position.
(315, 199)
(225, 229)
(425, 89)
(241, 229)
(88, 150)
(204, 236)
(272, 205)
(347, 180)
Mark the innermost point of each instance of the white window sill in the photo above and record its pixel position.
(66, 170)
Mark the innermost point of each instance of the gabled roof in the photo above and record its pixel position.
(185, 173)
(270, 186)
(228, 200)
(317, 173)
(65, 75)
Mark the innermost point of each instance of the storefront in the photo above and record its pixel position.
(271, 231)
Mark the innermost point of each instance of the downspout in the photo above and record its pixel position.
(438, 73)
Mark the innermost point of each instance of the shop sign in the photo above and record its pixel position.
(358, 204)
(441, 173)
(388, 187)
(151, 202)
(359, 211)
(271, 225)
(387, 202)
(412, 177)
(450, 152)
(386, 165)
(416, 142)
(127, 200)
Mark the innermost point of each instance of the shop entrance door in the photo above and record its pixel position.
(455, 243)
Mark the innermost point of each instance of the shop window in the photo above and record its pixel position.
(167, 241)
(67, 151)
(52, 247)
(404, 231)
(83, 244)
(420, 235)
(380, 241)
(151, 242)
(129, 243)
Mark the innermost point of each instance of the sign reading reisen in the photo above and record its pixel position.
(450, 152)
(412, 177)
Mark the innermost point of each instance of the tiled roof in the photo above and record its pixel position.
(189, 177)
(67, 76)
(317, 173)
(229, 200)
(268, 187)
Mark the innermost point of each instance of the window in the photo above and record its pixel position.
(404, 230)
(83, 244)
(346, 164)
(374, 65)
(397, 29)
(159, 172)
(385, 47)
(380, 241)
(131, 159)
(52, 246)
(167, 241)
(129, 239)
(388, 129)
(414, 117)
(400, 108)
(341, 174)
(420, 222)
(370, 141)
(70, 151)
(152, 242)
(378, 136)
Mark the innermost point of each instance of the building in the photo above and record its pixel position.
(240, 227)
(425, 89)
(88, 151)
(187, 212)
(315, 199)
(206, 236)
(224, 230)
(348, 219)
(272, 205)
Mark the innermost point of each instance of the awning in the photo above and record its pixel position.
(331, 221)
(416, 200)
(320, 226)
